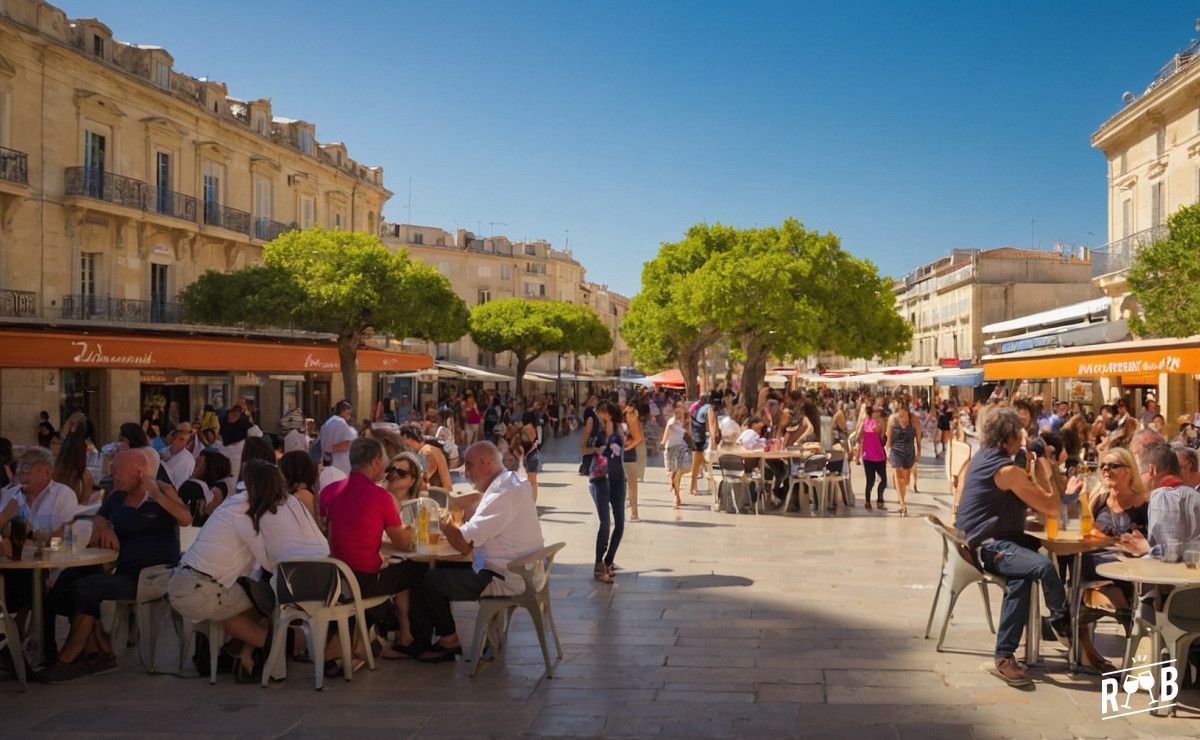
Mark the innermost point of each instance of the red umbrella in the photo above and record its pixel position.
(668, 379)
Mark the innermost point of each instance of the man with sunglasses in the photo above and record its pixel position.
(992, 514)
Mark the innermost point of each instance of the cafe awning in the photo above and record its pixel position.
(454, 370)
(1140, 358)
(671, 378)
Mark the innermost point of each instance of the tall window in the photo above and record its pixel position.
(162, 75)
(163, 183)
(306, 141)
(506, 272)
(308, 212)
(1156, 204)
(158, 292)
(263, 197)
(260, 124)
(87, 282)
(94, 146)
(485, 295)
(1126, 217)
(418, 238)
(98, 45)
(213, 175)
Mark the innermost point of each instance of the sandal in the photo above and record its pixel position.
(600, 573)
(869, 506)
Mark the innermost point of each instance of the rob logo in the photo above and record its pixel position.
(1160, 677)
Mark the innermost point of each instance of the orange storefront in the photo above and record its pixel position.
(113, 375)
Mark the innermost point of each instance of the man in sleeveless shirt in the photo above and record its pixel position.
(992, 514)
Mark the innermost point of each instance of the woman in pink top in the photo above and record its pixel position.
(874, 459)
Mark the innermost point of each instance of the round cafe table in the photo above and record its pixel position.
(442, 552)
(1065, 544)
(51, 559)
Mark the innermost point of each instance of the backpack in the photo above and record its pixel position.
(700, 426)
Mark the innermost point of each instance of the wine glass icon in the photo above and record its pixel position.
(1130, 684)
(1146, 681)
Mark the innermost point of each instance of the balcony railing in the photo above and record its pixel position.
(171, 203)
(1117, 256)
(94, 182)
(18, 303)
(13, 166)
(216, 214)
(121, 309)
(267, 230)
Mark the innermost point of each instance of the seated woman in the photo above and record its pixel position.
(436, 471)
(300, 473)
(1121, 505)
(208, 486)
(403, 476)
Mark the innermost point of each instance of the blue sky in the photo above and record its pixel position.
(907, 129)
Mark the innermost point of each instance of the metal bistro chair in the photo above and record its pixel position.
(736, 481)
(1173, 631)
(836, 478)
(318, 591)
(495, 612)
(813, 478)
(959, 570)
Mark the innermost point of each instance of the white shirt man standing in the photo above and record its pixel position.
(336, 436)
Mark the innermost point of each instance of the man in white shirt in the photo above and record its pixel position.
(336, 436)
(180, 462)
(503, 528)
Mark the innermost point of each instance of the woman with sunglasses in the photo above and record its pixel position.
(402, 479)
(871, 452)
(1120, 505)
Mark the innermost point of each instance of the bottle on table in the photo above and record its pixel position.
(1085, 516)
(422, 529)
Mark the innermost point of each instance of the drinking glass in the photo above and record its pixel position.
(1191, 558)
(1172, 550)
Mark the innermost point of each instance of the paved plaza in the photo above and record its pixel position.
(717, 626)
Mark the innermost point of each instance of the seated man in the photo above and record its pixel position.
(50, 506)
(181, 461)
(358, 512)
(140, 519)
(1174, 515)
(503, 528)
(992, 514)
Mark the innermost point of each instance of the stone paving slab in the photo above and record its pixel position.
(718, 626)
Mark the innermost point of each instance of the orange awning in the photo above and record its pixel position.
(38, 349)
(1139, 361)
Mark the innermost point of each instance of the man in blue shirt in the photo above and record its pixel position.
(1059, 417)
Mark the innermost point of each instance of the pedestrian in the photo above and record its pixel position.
(872, 454)
(677, 452)
(903, 441)
(634, 458)
(473, 417)
(606, 482)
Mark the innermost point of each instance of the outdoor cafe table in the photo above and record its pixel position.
(51, 559)
(797, 454)
(1066, 544)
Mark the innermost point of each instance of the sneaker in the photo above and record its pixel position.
(101, 663)
(1010, 672)
(1062, 629)
(62, 672)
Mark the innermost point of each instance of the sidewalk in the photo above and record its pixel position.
(719, 625)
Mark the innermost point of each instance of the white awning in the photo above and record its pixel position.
(1053, 316)
(454, 370)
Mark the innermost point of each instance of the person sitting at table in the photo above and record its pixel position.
(1189, 464)
(503, 528)
(992, 514)
(1119, 506)
(180, 461)
(300, 474)
(436, 472)
(1173, 520)
(358, 513)
(403, 478)
(141, 520)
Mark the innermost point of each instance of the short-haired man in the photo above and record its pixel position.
(180, 462)
(336, 436)
(503, 528)
(1059, 417)
(991, 512)
(141, 520)
(1189, 465)
(1174, 515)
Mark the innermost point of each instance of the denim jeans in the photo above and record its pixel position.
(1021, 566)
(608, 494)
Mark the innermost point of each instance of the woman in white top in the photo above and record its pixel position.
(678, 456)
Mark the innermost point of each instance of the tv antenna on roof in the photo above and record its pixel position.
(494, 224)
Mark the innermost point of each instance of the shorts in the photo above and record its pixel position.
(533, 462)
(679, 457)
(200, 598)
(902, 460)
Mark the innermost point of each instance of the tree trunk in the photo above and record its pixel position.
(348, 356)
(689, 366)
(753, 371)
(523, 363)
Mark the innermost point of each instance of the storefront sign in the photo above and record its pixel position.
(1121, 362)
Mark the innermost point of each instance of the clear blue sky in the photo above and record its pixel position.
(906, 129)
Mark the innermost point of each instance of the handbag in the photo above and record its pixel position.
(629, 455)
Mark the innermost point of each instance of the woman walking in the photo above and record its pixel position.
(677, 454)
(606, 481)
(874, 458)
(634, 459)
(473, 419)
(903, 440)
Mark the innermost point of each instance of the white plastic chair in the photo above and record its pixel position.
(813, 478)
(318, 591)
(1173, 631)
(495, 612)
(11, 638)
(959, 570)
(736, 480)
(149, 607)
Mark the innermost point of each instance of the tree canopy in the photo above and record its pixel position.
(781, 292)
(530, 328)
(343, 282)
(1165, 279)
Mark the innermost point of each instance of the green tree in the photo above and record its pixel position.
(343, 282)
(1165, 279)
(530, 328)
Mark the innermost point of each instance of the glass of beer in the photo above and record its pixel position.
(456, 516)
(1052, 527)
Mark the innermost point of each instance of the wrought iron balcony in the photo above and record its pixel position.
(267, 230)
(94, 182)
(1117, 256)
(103, 308)
(216, 214)
(170, 203)
(18, 303)
(14, 166)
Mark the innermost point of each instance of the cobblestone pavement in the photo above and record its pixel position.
(717, 626)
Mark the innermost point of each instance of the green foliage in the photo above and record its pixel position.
(1165, 279)
(254, 296)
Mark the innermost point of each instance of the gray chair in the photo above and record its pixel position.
(959, 570)
(1172, 632)
(736, 481)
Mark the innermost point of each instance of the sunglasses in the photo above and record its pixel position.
(1112, 466)
(398, 473)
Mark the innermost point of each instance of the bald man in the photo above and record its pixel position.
(141, 520)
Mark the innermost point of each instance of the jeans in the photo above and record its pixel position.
(431, 597)
(1021, 566)
(608, 493)
(80, 591)
(875, 468)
